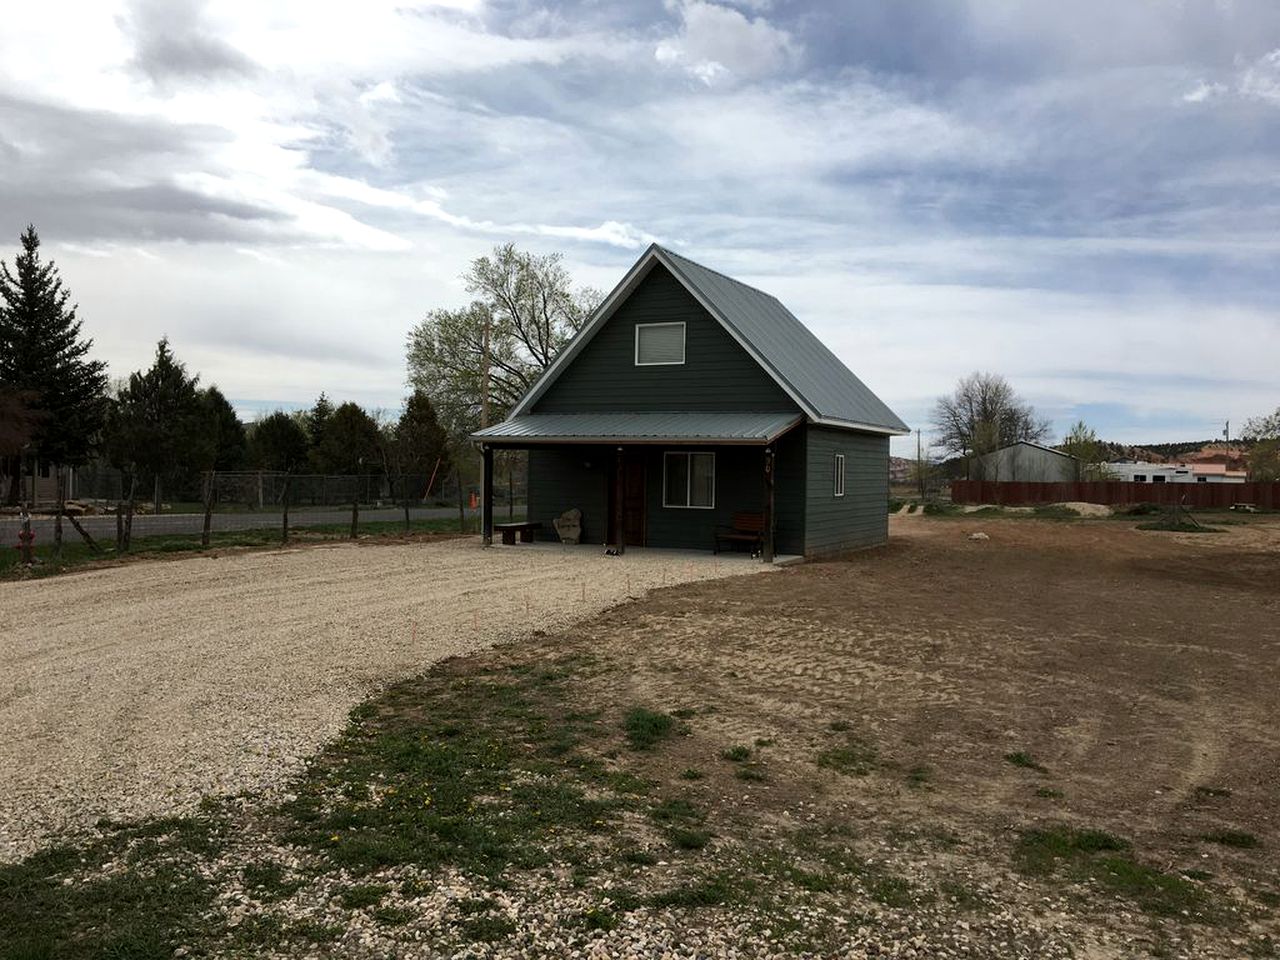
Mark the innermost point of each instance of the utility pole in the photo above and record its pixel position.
(919, 464)
(484, 374)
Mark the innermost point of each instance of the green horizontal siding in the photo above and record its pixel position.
(566, 478)
(789, 493)
(861, 517)
(717, 374)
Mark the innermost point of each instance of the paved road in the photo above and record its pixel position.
(169, 523)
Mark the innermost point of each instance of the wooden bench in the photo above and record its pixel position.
(747, 528)
(509, 531)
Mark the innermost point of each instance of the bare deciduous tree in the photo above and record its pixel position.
(983, 414)
(483, 357)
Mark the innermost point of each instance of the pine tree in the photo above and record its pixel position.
(156, 429)
(44, 357)
(422, 442)
(224, 429)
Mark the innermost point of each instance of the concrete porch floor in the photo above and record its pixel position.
(701, 556)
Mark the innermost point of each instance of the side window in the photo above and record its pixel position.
(837, 476)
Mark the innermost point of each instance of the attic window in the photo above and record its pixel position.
(659, 344)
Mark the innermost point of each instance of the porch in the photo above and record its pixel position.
(667, 481)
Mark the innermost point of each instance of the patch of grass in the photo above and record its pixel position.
(638, 857)
(1104, 859)
(676, 810)
(479, 771)
(646, 727)
(919, 776)
(1048, 793)
(393, 916)
(76, 553)
(960, 895)
(840, 726)
(1232, 838)
(937, 508)
(363, 895)
(135, 892)
(270, 881)
(1183, 526)
(486, 928)
(764, 741)
(750, 772)
(684, 713)
(891, 891)
(709, 891)
(737, 754)
(314, 931)
(683, 838)
(1055, 511)
(1025, 760)
(853, 759)
(599, 918)
(1039, 851)
(689, 773)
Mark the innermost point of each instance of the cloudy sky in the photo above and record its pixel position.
(1083, 196)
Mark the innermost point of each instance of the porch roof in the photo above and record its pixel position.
(682, 427)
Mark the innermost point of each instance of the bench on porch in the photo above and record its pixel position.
(747, 528)
(509, 530)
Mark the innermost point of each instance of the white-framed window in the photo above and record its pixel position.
(660, 344)
(837, 476)
(689, 480)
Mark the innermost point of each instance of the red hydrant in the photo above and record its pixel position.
(26, 540)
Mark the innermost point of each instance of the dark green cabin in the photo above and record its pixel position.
(690, 405)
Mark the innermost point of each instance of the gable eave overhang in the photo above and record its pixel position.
(887, 431)
(653, 255)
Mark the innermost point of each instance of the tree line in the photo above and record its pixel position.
(159, 426)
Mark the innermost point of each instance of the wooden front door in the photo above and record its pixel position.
(633, 512)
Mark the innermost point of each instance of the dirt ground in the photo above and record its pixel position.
(137, 690)
(1057, 742)
(1085, 674)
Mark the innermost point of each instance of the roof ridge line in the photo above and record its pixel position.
(719, 273)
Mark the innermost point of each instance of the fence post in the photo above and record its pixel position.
(208, 508)
(404, 492)
(355, 513)
(284, 513)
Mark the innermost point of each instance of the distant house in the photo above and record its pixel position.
(1143, 472)
(38, 481)
(691, 403)
(1025, 462)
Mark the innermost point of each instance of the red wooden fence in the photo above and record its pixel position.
(1264, 496)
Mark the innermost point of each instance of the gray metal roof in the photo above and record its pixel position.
(642, 427)
(814, 377)
(787, 348)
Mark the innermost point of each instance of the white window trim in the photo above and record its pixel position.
(661, 363)
(837, 480)
(688, 480)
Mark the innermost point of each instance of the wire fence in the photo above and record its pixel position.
(253, 508)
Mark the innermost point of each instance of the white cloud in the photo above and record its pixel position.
(1204, 91)
(717, 42)
(1261, 79)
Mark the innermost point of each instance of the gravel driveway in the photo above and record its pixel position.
(135, 690)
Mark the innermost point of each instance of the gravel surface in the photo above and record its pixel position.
(136, 690)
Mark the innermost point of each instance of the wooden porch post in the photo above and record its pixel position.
(768, 505)
(486, 495)
(619, 495)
